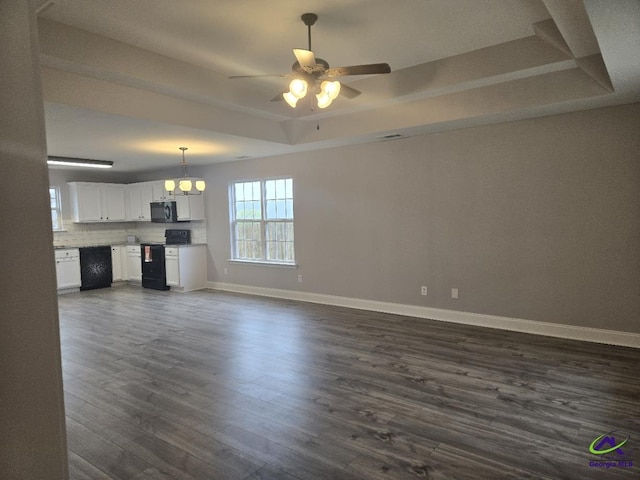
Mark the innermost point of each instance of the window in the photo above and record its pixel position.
(262, 221)
(56, 208)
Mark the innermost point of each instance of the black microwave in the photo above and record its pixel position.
(164, 212)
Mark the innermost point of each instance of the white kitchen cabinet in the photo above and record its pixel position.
(67, 268)
(159, 192)
(186, 267)
(114, 203)
(119, 263)
(172, 265)
(190, 207)
(134, 266)
(97, 202)
(140, 195)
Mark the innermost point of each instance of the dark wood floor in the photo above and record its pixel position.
(212, 385)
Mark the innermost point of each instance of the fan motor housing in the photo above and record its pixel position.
(318, 69)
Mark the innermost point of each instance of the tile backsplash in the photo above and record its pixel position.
(90, 234)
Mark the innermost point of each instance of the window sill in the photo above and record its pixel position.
(262, 263)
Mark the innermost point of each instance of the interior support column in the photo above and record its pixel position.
(33, 444)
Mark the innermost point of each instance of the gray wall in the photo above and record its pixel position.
(31, 400)
(537, 219)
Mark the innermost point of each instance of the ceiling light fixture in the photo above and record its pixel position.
(79, 162)
(185, 184)
(327, 92)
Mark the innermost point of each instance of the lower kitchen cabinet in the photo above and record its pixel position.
(186, 267)
(67, 268)
(119, 261)
(134, 266)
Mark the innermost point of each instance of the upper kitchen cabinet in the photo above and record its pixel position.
(97, 202)
(159, 192)
(140, 197)
(190, 207)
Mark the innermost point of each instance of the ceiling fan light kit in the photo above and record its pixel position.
(329, 91)
(298, 88)
(311, 72)
(185, 184)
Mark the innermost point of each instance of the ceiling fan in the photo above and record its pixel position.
(311, 72)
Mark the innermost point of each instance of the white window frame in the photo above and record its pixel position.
(58, 209)
(263, 223)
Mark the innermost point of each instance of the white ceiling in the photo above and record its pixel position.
(132, 81)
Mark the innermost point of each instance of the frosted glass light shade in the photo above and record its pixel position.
(290, 98)
(169, 185)
(331, 88)
(298, 88)
(185, 185)
(200, 185)
(324, 100)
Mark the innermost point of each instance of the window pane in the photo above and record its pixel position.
(280, 189)
(271, 209)
(240, 214)
(289, 213)
(290, 253)
(53, 198)
(248, 191)
(289, 187)
(256, 214)
(270, 187)
(238, 231)
(239, 192)
(256, 191)
(55, 220)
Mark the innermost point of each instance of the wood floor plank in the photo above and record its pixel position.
(225, 386)
(81, 469)
(102, 454)
(175, 462)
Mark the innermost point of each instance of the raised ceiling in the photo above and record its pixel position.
(132, 81)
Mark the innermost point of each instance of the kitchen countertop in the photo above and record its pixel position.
(66, 247)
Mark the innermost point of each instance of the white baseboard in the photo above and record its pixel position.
(587, 334)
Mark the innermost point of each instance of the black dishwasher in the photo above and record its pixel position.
(95, 267)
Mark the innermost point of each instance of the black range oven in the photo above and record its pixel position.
(154, 274)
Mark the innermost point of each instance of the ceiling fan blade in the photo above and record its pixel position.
(372, 68)
(281, 75)
(305, 58)
(349, 92)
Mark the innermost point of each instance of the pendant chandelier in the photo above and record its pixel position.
(185, 184)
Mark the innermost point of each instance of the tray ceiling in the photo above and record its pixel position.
(133, 81)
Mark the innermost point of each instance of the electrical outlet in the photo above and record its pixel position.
(423, 290)
(299, 278)
(226, 270)
(454, 293)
